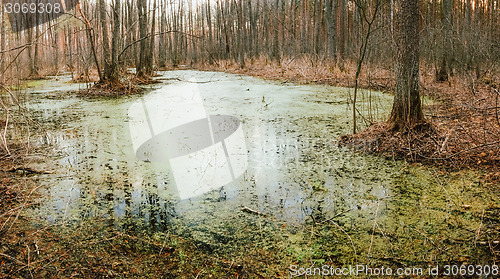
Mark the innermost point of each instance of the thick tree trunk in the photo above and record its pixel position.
(151, 44)
(251, 29)
(407, 110)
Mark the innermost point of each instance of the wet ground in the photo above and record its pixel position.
(300, 193)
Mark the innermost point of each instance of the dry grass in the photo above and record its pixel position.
(305, 70)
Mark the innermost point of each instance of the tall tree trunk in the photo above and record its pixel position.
(241, 37)
(293, 27)
(3, 44)
(143, 46)
(210, 44)
(150, 56)
(342, 30)
(114, 71)
(35, 56)
(90, 39)
(251, 29)
(70, 50)
(276, 49)
(318, 22)
(442, 74)
(330, 10)
(407, 109)
(105, 41)
(56, 50)
(162, 51)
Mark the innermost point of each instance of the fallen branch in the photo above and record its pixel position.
(27, 170)
(253, 211)
(463, 151)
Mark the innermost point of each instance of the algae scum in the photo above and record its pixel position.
(300, 196)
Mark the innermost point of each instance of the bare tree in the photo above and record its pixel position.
(364, 9)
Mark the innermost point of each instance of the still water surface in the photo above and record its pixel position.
(294, 169)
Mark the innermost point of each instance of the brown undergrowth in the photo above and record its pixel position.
(307, 70)
(112, 89)
(463, 131)
(128, 84)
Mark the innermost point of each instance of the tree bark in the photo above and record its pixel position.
(330, 10)
(105, 41)
(407, 109)
(115, 41)
(162, 52)
(143, 46)
(342, 30)
(442, 74)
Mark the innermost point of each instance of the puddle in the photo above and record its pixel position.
(292, 170)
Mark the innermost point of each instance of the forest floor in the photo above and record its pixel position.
(463, 132)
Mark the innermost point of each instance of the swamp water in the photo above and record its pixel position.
(295, 179)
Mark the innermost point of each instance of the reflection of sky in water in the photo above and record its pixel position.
(294, 167)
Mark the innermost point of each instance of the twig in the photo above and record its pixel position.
(496, 106)
(352, 243)
(430, 240)
(27, 170)
(337, 215)
(28, 266)
(444, 142)
(12, 258)
(462, 151)
(479, 229)
(4, 135)
(249, 210)
(373, 229)
(19, 212)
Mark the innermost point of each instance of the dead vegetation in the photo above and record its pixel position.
(130, 84)
(463, 130)
(305, 69)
